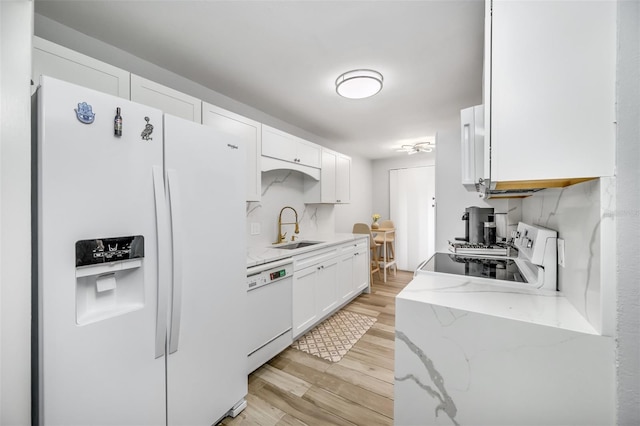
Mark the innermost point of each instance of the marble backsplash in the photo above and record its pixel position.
(282, 188)
(584, 216)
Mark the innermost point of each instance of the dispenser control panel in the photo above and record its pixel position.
(103, 250)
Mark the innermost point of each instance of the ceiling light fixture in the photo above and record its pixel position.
(417, 147)
(359, 84)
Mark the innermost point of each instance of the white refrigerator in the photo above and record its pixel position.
(140, 264)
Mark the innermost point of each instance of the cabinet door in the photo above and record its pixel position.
(308, 153)
(166, 99)
(343, 179)
(326, 287)
(328, 177)
(304, 299)
(346, 288)
(65, 64)
(243, 128)
(277, 144)
(283, 146)
(552, 90)
(361, 267)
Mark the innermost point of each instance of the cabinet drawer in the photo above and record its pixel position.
(309, 259)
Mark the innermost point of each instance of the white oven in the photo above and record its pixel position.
(535, 266)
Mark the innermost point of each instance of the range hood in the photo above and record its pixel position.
(522, 188)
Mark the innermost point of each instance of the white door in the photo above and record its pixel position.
(412, 210)
(97, 327)
(206, 365)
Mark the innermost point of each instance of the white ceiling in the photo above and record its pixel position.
(283, 57)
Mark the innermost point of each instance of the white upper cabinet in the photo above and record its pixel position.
(168, 100)
(245, 129)
(334, 186)
(343, 179)
(282, 146)
(549, 90)
(65, 64)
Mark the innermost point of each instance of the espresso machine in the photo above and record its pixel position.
(475, 219)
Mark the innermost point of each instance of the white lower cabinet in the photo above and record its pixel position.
(361, 273)
(345, 275)
(325, 281)
(314, 294)
(353, 271)
(304, 300)
(326, 287)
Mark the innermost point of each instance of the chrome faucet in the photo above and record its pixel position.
(281, 236)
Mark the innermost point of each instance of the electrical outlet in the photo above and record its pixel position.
(561, 252)
(255, 228)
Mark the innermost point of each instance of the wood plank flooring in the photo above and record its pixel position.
(296, 388)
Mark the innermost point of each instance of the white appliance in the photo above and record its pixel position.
(140, 265)
(534, 267)
(269, 311)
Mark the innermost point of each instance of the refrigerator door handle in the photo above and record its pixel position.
(163, 265)
(176, 234)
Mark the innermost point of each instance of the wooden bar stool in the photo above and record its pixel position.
(390, 240)
(363, 228)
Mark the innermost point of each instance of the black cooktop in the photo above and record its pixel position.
(482, 267)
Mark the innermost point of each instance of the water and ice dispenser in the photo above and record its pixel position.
(109, 277)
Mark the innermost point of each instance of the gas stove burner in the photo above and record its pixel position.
(498, 249)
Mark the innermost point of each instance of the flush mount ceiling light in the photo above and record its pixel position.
(359, 84)
(417, 147)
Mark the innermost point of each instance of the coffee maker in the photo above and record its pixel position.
(475, 218)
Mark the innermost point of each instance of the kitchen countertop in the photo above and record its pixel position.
(542, 307)
(259, 254)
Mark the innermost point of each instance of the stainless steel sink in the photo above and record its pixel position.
(297, 245)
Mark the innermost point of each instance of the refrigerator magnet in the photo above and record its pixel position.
(148, 129)
(117, 123)
(84, 113)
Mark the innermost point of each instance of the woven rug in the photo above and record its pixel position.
(333, 337)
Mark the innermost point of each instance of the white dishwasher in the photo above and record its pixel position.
(269, 310)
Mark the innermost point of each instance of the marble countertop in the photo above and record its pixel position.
(257, 255)
(543, 307)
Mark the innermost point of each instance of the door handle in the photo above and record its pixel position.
(176, 237)
(163, 261)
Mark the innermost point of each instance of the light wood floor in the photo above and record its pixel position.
(296, 388)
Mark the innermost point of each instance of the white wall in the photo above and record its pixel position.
(282, 188)
(628, 213)
(451, 197)
(15, 216)
(380, 178)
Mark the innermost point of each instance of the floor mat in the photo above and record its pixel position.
(333, 337)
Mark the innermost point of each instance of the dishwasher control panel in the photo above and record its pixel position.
(259, 278)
